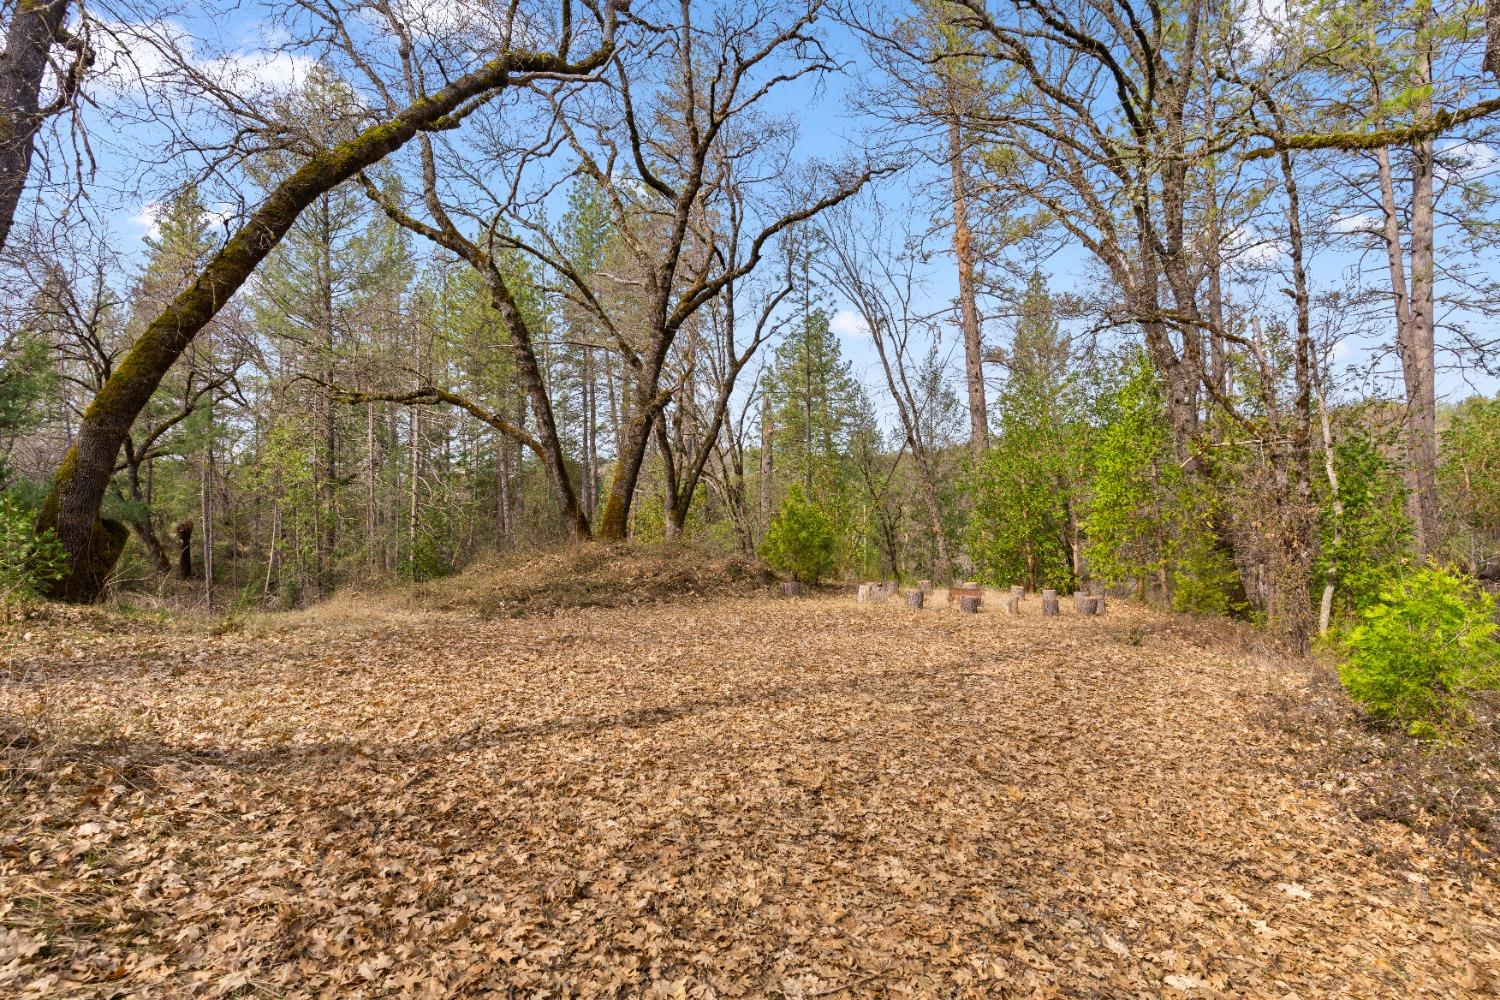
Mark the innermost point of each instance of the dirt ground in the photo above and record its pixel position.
(716, 797)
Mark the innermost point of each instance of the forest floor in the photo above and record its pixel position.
(707, 794)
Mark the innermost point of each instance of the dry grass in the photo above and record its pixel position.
(712, 796)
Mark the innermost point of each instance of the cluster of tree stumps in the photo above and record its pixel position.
(968, 597)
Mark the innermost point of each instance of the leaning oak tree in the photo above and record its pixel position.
(71, 509)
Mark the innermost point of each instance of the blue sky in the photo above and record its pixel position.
(243, 45)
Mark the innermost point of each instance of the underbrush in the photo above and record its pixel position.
(1449, 792)
(546, 581)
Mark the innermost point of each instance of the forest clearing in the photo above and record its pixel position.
(728, 794)
(769, 498)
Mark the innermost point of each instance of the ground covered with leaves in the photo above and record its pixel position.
(724, 795)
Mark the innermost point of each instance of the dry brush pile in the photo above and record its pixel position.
(731, 796)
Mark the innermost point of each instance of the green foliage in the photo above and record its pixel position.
(29, 559)
(1469, 478)
(27, 378)
(1204, 578)
(1028, 488)
(800, 539)
(1421, 651)
(1368, 544)
(430, 554)
(1135, 478)
(813, 396)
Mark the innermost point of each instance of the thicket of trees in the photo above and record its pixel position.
(477, 276)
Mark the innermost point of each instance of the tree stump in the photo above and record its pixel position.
(967, 590)
(1018, 591)
(1098, 604)
(1012, 604)
(1081, 601)
(915, 598)
(184, 532)
(892, 588)
(1049, 602)
(864, 593)
(792, 588)
(968, 605)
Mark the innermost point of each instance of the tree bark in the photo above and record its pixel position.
(963, 250)
(35, 27)
(185, 550)
(72, 506)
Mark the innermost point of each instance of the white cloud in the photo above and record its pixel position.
(150, 215)
(142, 56)
(1261, 22)
(149, 219)
(1469, 160)
(1249, 247)
(848, 323)
(1360, 222)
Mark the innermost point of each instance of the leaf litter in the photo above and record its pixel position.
(729, 796)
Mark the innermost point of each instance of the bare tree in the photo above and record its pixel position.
(872, 265)
(388, 123)
(683, 124)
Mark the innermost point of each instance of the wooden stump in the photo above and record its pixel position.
(1018, 591)
(968, 605)
(1012, 604)
(914, 599)
(184, 532)
(1098, 604)
(892, 588)
(1049, 602)
(792, 588)
(967, 590)
(1081, 601)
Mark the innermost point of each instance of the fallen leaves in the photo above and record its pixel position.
(722, 797)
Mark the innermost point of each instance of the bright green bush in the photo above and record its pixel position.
(1421, 651)
(800, 539)
(28, 559)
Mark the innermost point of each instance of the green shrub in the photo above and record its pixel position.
(29, 560)
(1420, 652)
(800, 539)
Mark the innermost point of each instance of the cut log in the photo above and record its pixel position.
(1018, 590)
(892, 588)
(792, 588)
(1049, 602)
(864, 593)
(967, 590)
(1012, 604)
(915, 598)
(968, 604)
(1081, 599)
(1098, 604)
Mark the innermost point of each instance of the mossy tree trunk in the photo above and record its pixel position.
(72, 506)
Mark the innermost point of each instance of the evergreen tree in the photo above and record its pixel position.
(812, 394)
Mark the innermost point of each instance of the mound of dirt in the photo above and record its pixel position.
(591, 576)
